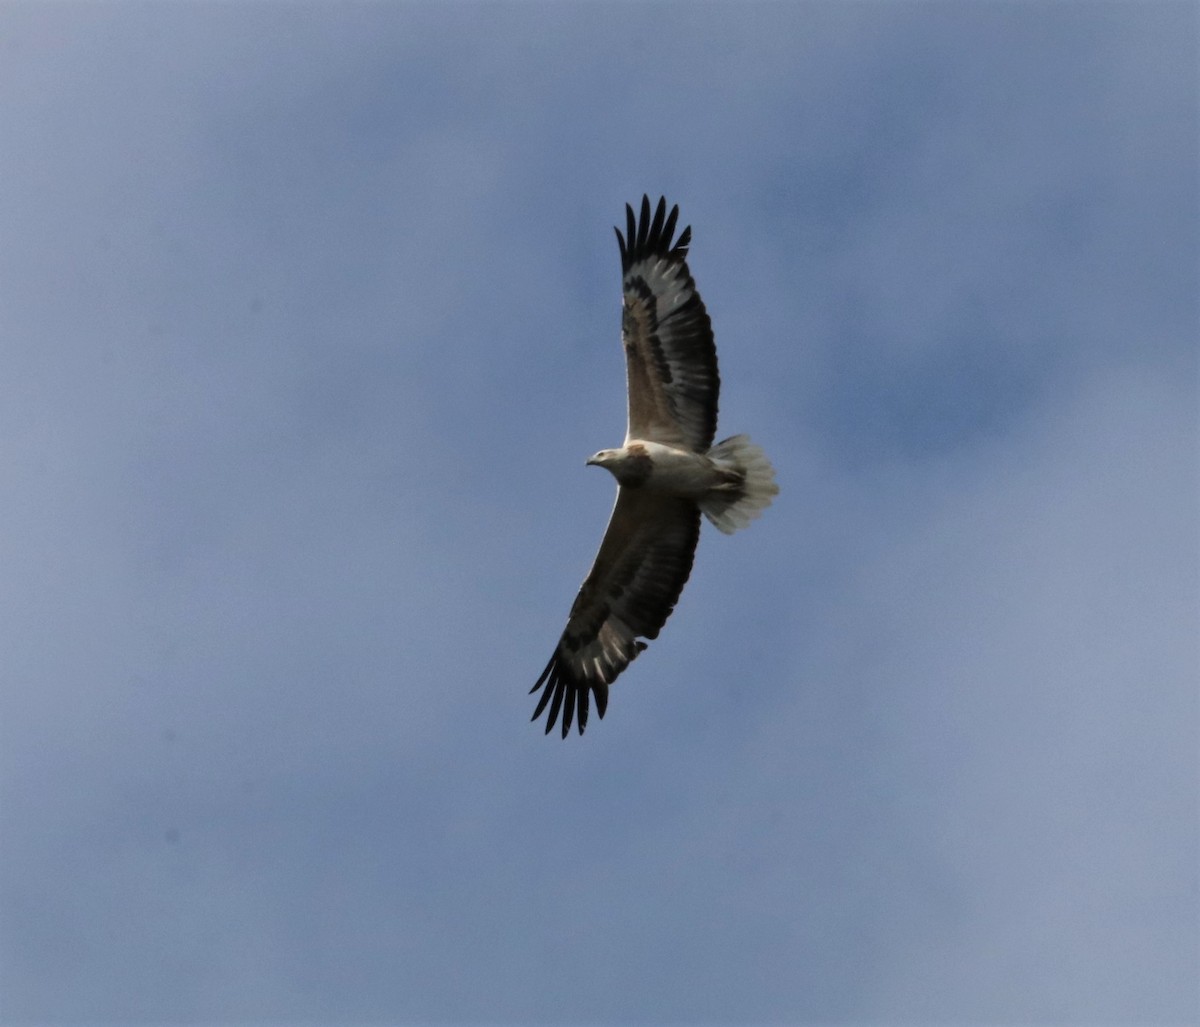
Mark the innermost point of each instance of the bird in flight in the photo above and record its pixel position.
(668, 473)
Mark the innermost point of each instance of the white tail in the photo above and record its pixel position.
(735, 504)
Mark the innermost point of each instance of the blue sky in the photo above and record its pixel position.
(309, 318)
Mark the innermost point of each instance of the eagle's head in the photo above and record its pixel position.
(605, 458)
(630, 465)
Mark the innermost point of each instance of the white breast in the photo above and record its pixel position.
(679, 472)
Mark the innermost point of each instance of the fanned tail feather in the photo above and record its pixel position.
(734, 505)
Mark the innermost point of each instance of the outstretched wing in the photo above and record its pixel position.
(635, 581)
(670, 358)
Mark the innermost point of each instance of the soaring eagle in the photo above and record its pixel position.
(667, 474)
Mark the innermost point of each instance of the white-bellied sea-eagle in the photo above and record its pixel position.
(668, 472)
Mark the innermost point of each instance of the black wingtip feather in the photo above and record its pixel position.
(649, 234)
(660, 214)
(669, 228)
(563, 693)
(555, 704)
(568, 712)
(582, 710)
(644, 223)
(545, 698)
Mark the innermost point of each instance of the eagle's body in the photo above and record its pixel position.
(668, 470)
(668, 473)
